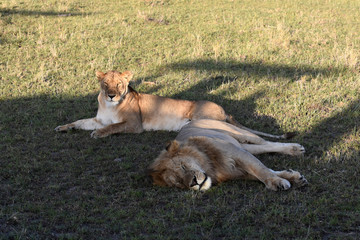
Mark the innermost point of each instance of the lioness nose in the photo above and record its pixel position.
(111, 95)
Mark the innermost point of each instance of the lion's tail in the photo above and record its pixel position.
(231, 120)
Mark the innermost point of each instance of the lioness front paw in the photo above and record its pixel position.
(98, 134)
(63, 128)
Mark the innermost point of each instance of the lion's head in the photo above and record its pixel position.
(114, 85)
(180, 166)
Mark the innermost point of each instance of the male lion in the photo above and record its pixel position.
(122, 109)
(209, 151)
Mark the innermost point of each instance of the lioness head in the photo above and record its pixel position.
(180, 166)
(114, 85)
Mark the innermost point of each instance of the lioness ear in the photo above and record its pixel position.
(100, 75)
(172, 147)
(127, 75)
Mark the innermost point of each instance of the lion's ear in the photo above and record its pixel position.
(100, 75)
(127, 75)
(172, 147)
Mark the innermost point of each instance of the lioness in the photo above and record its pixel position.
(209, 151)
(122, 109)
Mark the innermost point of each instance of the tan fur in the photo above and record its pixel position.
(122, 109)
(209, 151)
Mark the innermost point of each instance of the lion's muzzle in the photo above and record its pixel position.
(201, 182)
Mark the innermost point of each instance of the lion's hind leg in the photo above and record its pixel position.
(293, 149)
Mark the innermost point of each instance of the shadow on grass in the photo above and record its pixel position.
(43, 169)
(30, 146)
(244, 110)
(251, 68)
(331, 131)
(6, 12)
(254, 68)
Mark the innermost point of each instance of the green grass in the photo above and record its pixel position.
(276, 66)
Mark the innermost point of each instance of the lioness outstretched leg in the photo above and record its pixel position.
(116, 128)
(85, 124)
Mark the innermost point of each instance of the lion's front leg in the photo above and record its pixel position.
(284, 178)
(122, 127)
(292, 176)
(276, 183)
(85, 124)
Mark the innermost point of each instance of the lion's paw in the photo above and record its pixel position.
(293, 176)
(278, 183)
(296, 149)
(298, 179)
(302, 181)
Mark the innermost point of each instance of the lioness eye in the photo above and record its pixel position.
(182, 167)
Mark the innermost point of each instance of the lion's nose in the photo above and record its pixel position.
(111, 96)
(193, 182)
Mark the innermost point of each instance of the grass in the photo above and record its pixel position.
(277, 66)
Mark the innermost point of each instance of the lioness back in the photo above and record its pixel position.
(160, 113)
